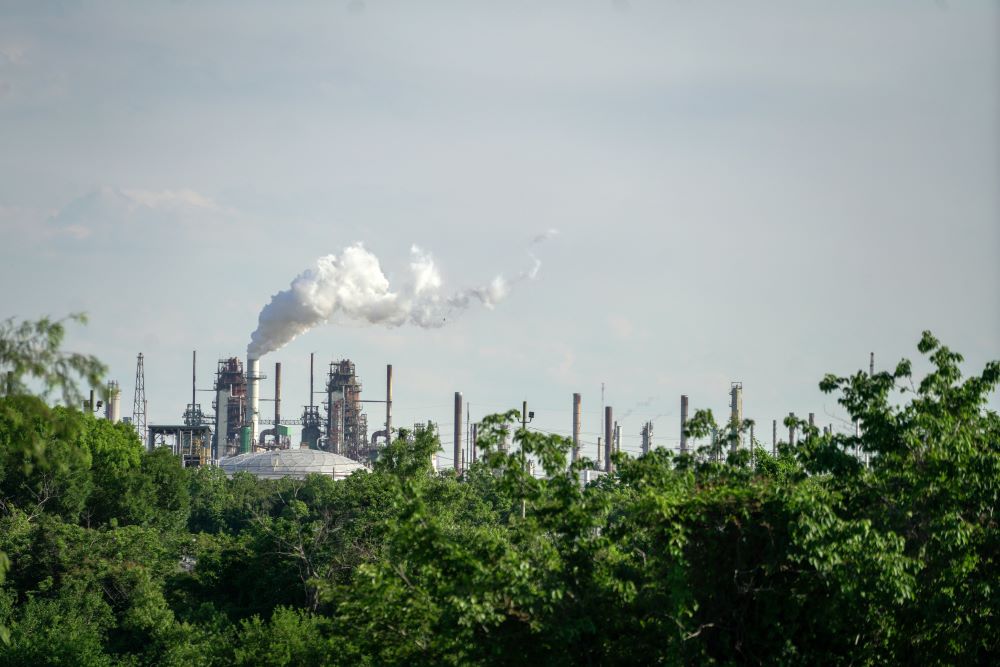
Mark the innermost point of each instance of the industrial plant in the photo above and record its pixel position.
(334, 438)
(235, 433)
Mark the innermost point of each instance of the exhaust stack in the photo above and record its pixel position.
(253, 396)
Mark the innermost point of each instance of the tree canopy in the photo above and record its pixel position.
(845, 548)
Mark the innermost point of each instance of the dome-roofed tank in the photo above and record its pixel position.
(297, 463)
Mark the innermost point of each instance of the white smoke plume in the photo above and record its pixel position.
(351, 285)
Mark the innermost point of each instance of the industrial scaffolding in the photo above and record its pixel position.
(347, 426)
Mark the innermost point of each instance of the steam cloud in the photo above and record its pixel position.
(352, 285)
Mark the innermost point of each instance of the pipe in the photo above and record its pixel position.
(331, 445)
(457, 442)
(608, 438)
(253, 396)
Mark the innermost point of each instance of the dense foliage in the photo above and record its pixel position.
(118, 556)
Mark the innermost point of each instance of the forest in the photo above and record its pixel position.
(840, 548)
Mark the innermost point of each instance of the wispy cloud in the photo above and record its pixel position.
(111, 209)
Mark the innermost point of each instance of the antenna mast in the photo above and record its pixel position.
(139, 404)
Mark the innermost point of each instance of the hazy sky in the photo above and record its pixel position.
(762, 192)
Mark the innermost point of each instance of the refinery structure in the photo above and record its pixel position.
(236, 426)
(335, 438)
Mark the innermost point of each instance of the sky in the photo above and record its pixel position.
(754, 192)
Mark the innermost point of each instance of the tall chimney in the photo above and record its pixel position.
(736, 414)
(576, 428)
(312, 357)
(194, 360)
(388, 403)
(253, 396)
(684, 419)
(774, 436)
(113, 408)
(277, 402)
(475, 441)
(812, 420)
(608, 438)
(457, 442)
(871, 364)
(791, 431)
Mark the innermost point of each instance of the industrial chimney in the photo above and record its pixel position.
(576, 428)
(253, 396)
(735, 415)
(457, 437)
(608, 438)
(113, 408)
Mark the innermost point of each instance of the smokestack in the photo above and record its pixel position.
(736, 414)
(457, 442)
(812, 420)
(388, 404)
(253, 396)
(277, 402)
(871, 364)
(608, 438)
(791, 431)
(113, 408)
(312, 358)
(576, 428)
(684, 419)
(194, 364)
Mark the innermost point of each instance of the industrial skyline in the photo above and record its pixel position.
(762, 200)
(232, 422)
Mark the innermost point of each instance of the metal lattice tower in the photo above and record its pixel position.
(139, 404)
